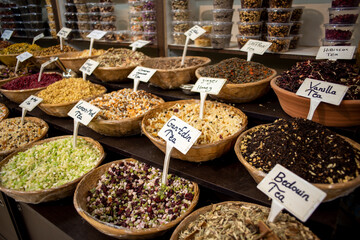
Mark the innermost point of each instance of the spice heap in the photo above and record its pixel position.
(85, 53)
(219, 121)
(31, 81)
(330, 71)
(240, 221)
(14, 135)
(8, 72)
(173, 63)
(125, 103)
(120, 57)
(306, 148)
(4, 44)
(49, 165)
(53, 50)
(130, 195)
(69, 90)
(18, 48)
(237, 70)
(3, 111)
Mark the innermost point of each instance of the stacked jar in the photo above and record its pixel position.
(142, 20)
(342, 23)
(10, 19)
(295, 28)
(51, 19)
(222, 23)
(180, 14)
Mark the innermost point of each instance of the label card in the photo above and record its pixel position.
(336, 52)
(30, 103)
(64, 32)
(89, 66)
(24, 56)
(298, 196)
(52, 59)
(96, 34)
(37, 37)
(195, 32)
(179, 134)
(209, 85)
(255, 46)
(83, 112)
(6, 35)
(139, 44)
(142, 74)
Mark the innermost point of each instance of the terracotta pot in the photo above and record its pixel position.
(345, 115)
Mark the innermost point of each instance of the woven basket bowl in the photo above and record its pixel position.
(9, 59)
(73, 62)
(18, 96)
(244, 92)
(44, 127)
(345, 115)
(62, 109)
(51, 194)
(197, 153)
(196, 214)
(90, 181)
(333, 191)
(113, 74)
(6, 112)
(172, 78)
(38, 60)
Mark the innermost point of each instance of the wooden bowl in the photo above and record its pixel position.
(51, 194)
(196, 214)
(345, 115)
(9, 59)
(243, 92)
(333, 191)
(44, 127)
(18, 96)
(4, 111)
(90, 181)
(197, 153)
(71, 60)
(113, 74)
(62, 109)
(173, 78)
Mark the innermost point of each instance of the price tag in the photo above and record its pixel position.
(255, 46)
(7, 34)
(52, 59)
(24, 56)
(64, 32)
(336, 52)
(41, 35)
(96, 34)
(30, 103)
(142, 74)
(83, 112)
(291, 192)
(321, 91)
(89, 66)
(139, 44)
(195, 32)
(209, 85)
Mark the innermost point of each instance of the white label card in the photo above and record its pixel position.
(179, 134)
(89, 66)
(209, 85)
(37, 37)
(256, 46)
(142, 73)
(323, 91)
(195, 32)
(96, 34)
(139, 43)
(6, 35)
(24, 56)
(336, 52)
(30, 103)
(83, 112)
(64, 32)
(298, 196)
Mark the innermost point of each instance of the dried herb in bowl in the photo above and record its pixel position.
(330, 71)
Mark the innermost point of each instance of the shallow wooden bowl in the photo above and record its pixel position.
(113, 74)
(62, 109)
(333, 191)
(44, 127)
(173, 78)
(196, 214)
(242, 92)
(197, 153)
(9, 59)
(2, 82)
(90, 181)
(6, 111)
(345, 115)
(51, 194)
(71, 60)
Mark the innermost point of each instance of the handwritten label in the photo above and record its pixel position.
(30, 103)
(142, 73)
(24, 56)
(256, 46)
(83, 112)
(64, 32)
(195, 32)
(336, 52)
(7, 34)
(89, 66)
(139, 43)
(295, 194)
(209, 85)
(323, 91)
(96, 34)
(37, 37)
(179, 134)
